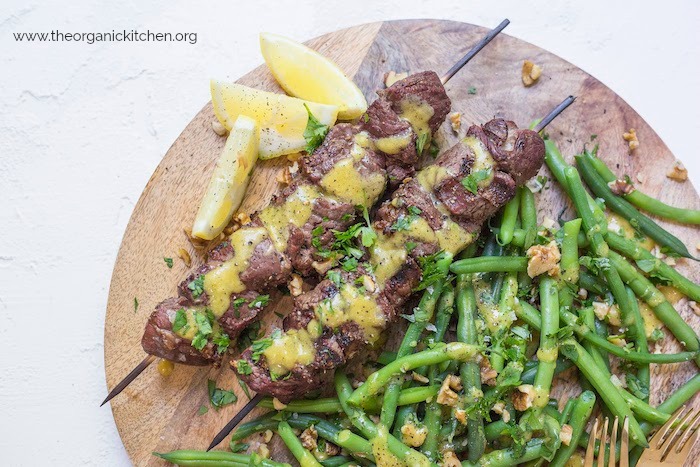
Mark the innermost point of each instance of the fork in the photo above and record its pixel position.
(673, 450)
(603, 435)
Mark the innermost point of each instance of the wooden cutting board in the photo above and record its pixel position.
(160, 414)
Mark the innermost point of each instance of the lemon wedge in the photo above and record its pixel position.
(282, 119)
(230, 179)
(304, 73)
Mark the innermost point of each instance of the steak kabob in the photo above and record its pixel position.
(352, 168)
(430, 217)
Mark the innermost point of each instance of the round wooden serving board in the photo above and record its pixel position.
(159, 413)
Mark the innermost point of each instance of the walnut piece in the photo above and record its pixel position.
(392, 77)
(543, 258)
(523, 397)
(419, 378)
(621, 187)
(449, 459)
(530, 73)
(631, 138)
(487, 373)
(184, 256)
(309, 438)
(267, 435)
(218, 128)
(278, 404)
(322, 268)
(296, 285)
(284, 176)
(242, 218)
(456, 121)
(565, 434)
(694, 306)
(412, 435)
(446, 396)
(461, 416)
(604, 311)
(678, 172)
(500, 409)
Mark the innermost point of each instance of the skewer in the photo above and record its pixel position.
(254, 401)
(474, 50)
(129, 378)
(445, 78)
(235, 421)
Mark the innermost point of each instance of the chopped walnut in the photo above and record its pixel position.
(294, 168)
(184, 256)
(368, 283)
(631, 138)
(419, 378)
(243, 218)
(267, 435)
(456, 121)
(330, 450)
(296, 285)
(446, 395)
(694, 306)
(697, 246)
(548, 223)
(582, 293)
(621, 187)
(450, 459)
(604, 311)
(412, 435)
(263, 451)
(278, 404)
(543, 258)
(566, 433)
(523, 397)
(670, 260)
(284, 176)
(323, 267)
(392, 77)
(641, 178)
(530, 73)
(678, 172)
(461, 416)
(294, 157)
(218, 128)
(500, 409)
(309, 438)
(487, 373)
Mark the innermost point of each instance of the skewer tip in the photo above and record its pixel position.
(554, 113)
(235, 421)
(133, 374)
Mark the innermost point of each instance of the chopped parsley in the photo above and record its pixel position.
(410, 246)
(350, 264)
(260, 301)
(237, 447)
(219, 397)
(365, 118)
(315, 132)
(367, 234)
(404, 222)
(244, 367)
(136, 304)
(334, 276)
(421, 141)
(222, 342)
(169, 262)
(434, 149)
(202, 410)
(204, 329)
(180, 320)
(197, 286)
(471, 181)
(432, 273)
(260, 345)
(472, 90)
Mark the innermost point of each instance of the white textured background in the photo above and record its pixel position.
(82, 128)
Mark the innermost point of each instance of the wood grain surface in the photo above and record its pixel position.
(159, 413)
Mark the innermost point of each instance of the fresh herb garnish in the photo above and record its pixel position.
(222, 342)
(471, 181)
(334, 276)
(350, 264)
(169, 262)
(365, 118)
(367, 234)
(219, 397)
(472, 90)
(315, 132)
(260, 345)
(202, 410)
(136, 304)
(260, 301)
(197, 286)
(404, 221)
(238, 447)
(420, 142)
(431, 272)
(244, 367)
(180, 320)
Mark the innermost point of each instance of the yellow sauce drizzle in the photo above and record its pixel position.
(351, 305)
(621, 226)
(431, 176)
(346, 183)
(295, 210)
(190, 329)
(380, 449)
(221, 282)
(418, 113)
(294, 347)
(393, 144)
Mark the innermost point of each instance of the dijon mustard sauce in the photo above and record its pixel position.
(294, 347)
(295, 210)
(346, 183)
(225, 280)
(393, 144)
(418, 113)
(352, 304)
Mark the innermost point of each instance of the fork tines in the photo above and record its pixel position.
(672, 445)
(602, 436)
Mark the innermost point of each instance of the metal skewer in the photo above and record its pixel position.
(445, 78)
(129, 378)
(255, 400)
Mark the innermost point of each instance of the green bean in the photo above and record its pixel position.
(592, 283)
(333, 433)
(649, 263)
(528, 215)
(646, 202)
(506, 303)
(368, 429)
(585, 332)
(566, 411)
(325, 405)
(305, 458)
(402, 415)
(663, 310)
(637, 331)
(469, 371)
(438, 354)
(547, 353)
(189, 458)
(423, 315)
(629, 212)
(569, 262)
(336, 461)
(267, 421)
(643, 410)
(489, 264)
(510, 216)
(528, 376)
(579, 418)
(600, 380)
(507, 457)
(386, 357)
